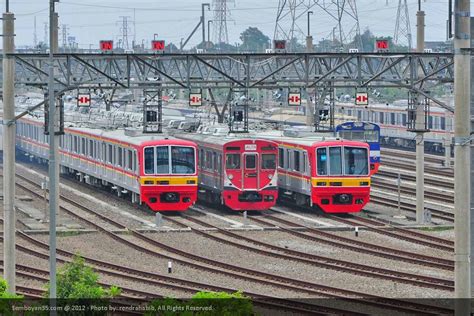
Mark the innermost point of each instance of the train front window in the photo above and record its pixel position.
(183, 160)
(335, 161)
(149, 159)
(356, 161)
(162, 160)
(322, 161)
(269, 161)
(232, 161)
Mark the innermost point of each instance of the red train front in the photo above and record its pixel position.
(238, 173)
(168, 174)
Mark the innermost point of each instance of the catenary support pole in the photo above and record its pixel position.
(462, 162)
(53, 171)
(9, 151)
(472, 157)
(420, 125)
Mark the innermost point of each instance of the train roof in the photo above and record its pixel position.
(220, 140)
(130, 136)
(307, 139)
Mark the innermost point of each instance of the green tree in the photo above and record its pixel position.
(254, 40)
(7, 300)
(78, 284)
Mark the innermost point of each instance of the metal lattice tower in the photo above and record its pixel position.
(64, 35)
(221, 16)
(402, 34)
(124, 31)
(291, 19)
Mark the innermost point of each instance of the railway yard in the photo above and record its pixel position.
(288, 252)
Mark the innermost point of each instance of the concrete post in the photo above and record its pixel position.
(472, 156)
(53, 171)
(420, 31)
(462, 163)
(9, 256)
(420, 125)
(447, 152)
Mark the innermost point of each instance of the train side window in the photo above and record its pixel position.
(443, 123)
(162, 159)
(149, 164)
(232, 161)
(214, 160)
(287, 161)
(83, 146)
(304, 163)
(61, 141)
(201, 158)
(404, 119)
(392, 118)
(129, 160)
(110, 153)
(208, 165)
(219, 163)
(296, 161)
(281, 157)
(430, 122)
(322, 161)
(335, 161)
(120, 157)
(91, 148)
(381, 117)
(103, 152)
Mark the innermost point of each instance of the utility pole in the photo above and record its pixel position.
(35, 35)
(203, 23)
(209, 34)
(53, 170)
(420, 126)
(309, 38)
(462, 163)
(9, 256)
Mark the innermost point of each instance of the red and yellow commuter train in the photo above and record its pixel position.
(156, 170)
(329, 173)
(239, 173)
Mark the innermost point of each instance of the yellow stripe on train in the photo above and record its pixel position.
(340, 182)
(168, 180)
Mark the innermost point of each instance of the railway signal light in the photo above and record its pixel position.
(158, 45)
(106, 46)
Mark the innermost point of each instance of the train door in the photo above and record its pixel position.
(250, 172)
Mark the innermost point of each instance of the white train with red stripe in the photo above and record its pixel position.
(156, 170)
(236, 171)
(329, 173)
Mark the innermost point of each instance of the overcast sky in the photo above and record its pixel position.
(92, 20)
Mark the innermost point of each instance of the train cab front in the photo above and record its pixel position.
(343, 181)
(169, 182)
(251, 178)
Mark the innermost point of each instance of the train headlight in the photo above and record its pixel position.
(270, 176)
(230, 177)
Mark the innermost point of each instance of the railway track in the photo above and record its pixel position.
(401, 233)
(412, 155)
(207, 264)
(412, 178)
(409, 207)
(357, 245)
(324, 262)
(435, 196)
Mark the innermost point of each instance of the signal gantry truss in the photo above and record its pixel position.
(418, 72)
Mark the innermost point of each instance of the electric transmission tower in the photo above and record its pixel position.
(124, 31)
(291, 20)
(221, 16)
(64, 35)
(402, 34)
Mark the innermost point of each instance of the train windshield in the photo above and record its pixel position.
(232, 161)
(355, 161)
(268, 161)
(365, 136)
(182, 160)
(336, 162)
(157, 160)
